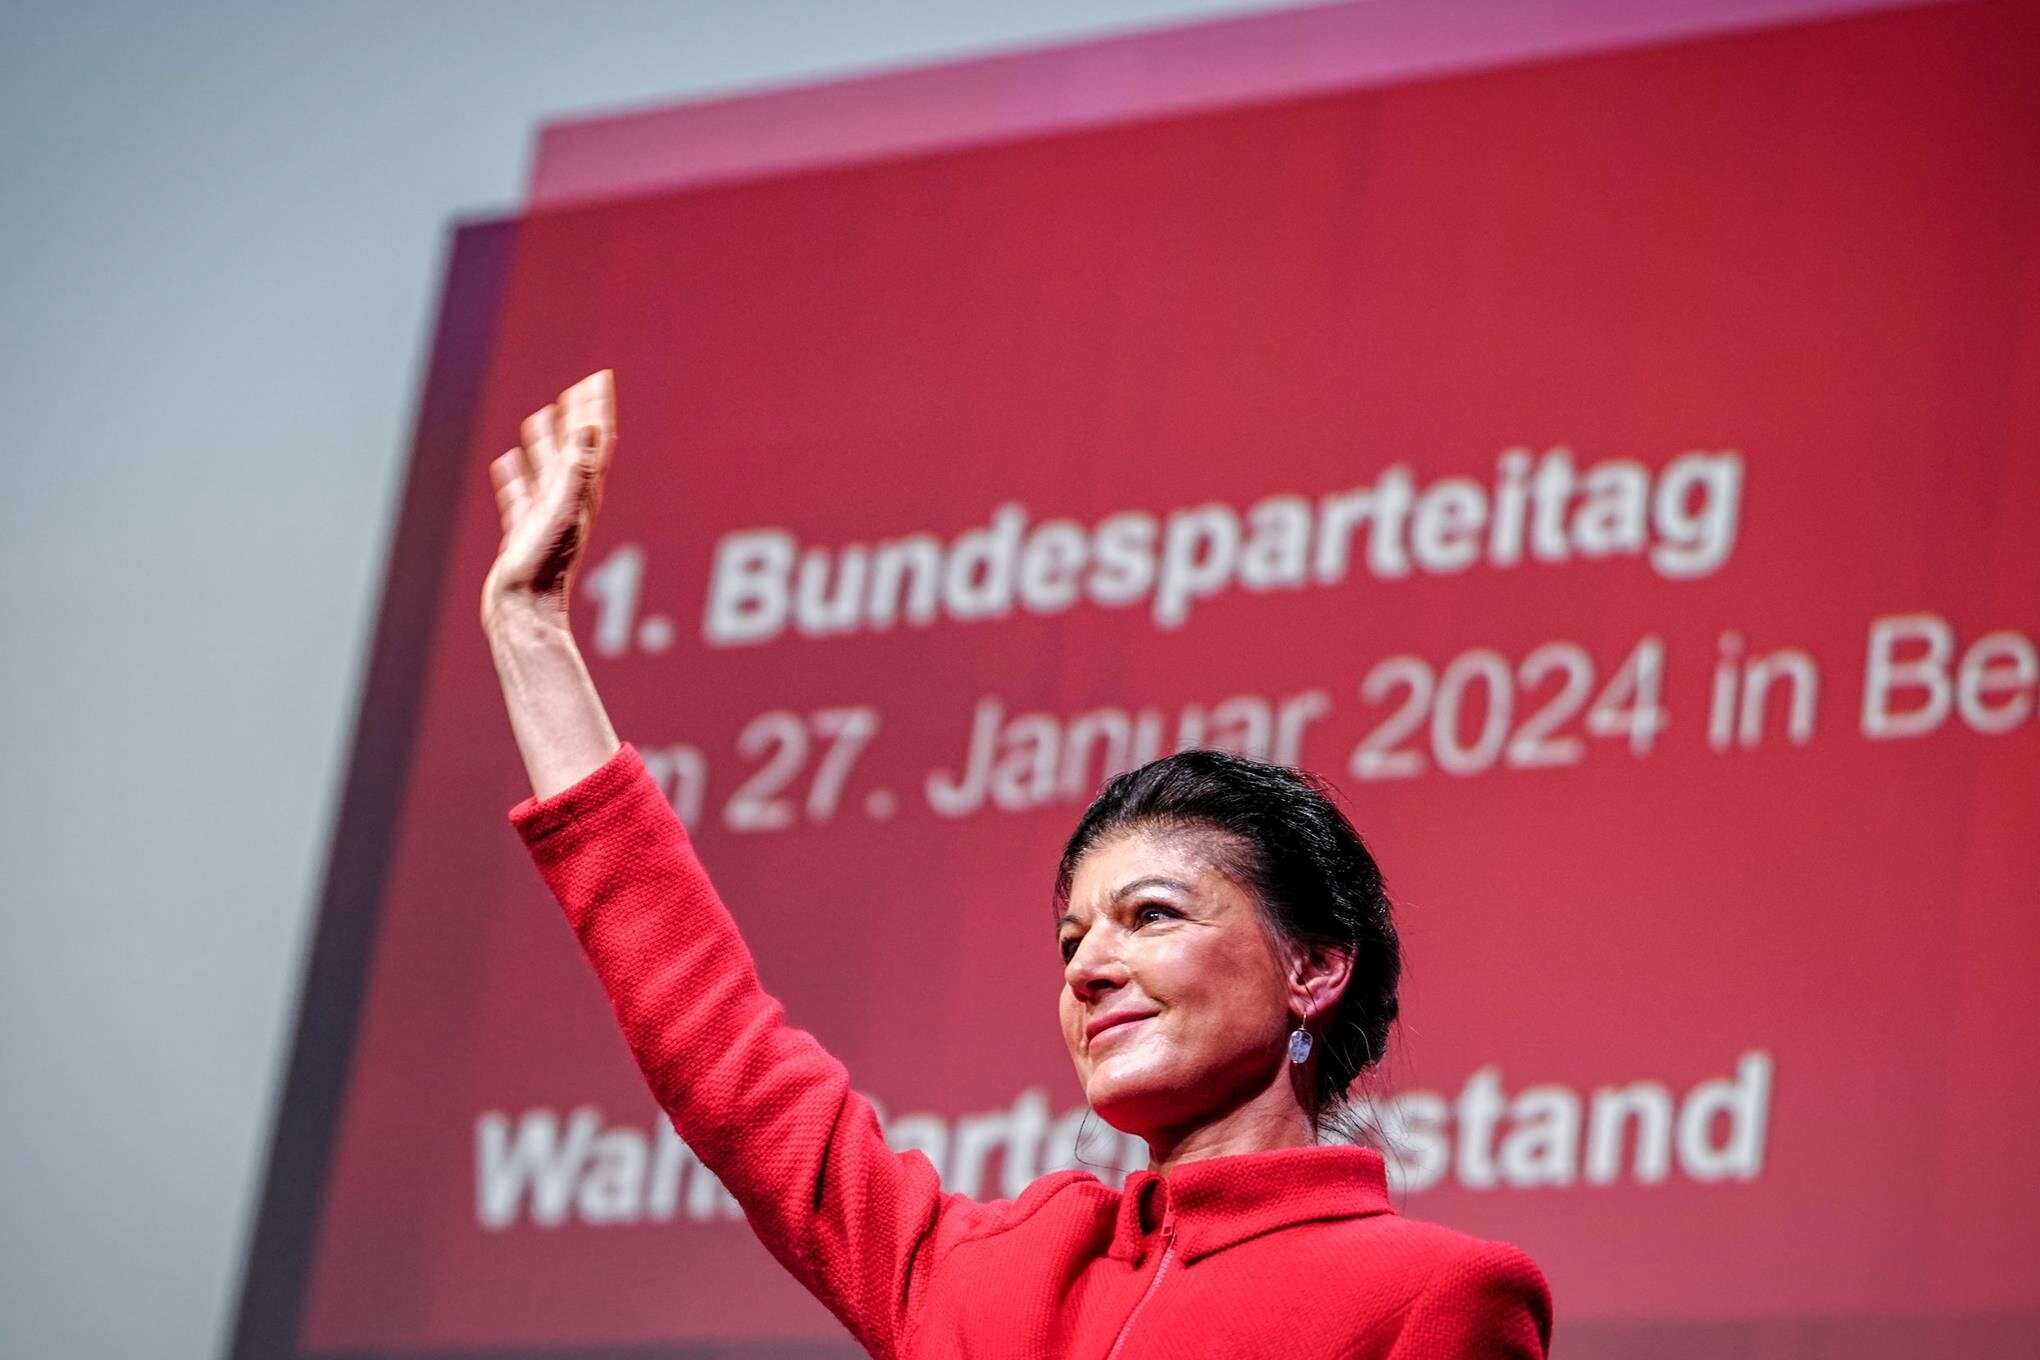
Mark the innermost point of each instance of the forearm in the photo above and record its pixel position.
(760, 1102)
(562, 730)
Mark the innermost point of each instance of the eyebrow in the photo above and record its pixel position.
(1126, 890)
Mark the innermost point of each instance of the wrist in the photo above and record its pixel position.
(519, 623)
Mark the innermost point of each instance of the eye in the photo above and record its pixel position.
(1154, 911)
(1068, 944)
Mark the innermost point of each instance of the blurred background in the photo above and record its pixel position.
(224, 238)
(224, 228)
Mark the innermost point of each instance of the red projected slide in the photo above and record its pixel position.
(1618, 474)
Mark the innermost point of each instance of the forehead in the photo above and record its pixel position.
(1190, 856)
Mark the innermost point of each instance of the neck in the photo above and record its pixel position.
(1273, 1118)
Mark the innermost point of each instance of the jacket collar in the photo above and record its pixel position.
(1222, 1201)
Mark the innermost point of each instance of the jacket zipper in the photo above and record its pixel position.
(1126, 1327)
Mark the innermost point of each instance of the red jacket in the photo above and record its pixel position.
(1295, 1253)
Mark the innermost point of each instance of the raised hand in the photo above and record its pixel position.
(547, 492)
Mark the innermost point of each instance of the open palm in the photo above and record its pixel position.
(547, 493)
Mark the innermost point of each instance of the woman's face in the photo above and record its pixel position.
(1176, 998)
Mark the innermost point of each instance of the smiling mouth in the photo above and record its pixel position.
(1120, 1028)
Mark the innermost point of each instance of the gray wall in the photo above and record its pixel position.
(220, 236)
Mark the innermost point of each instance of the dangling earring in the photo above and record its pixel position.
(1300, 1041)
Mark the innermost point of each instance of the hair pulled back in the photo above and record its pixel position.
(1280, 835)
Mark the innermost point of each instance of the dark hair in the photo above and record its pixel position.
(1282, 837)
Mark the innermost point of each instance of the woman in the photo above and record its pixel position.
(1229, 965)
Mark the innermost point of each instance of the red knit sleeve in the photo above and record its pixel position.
(763, 1105)
(1490, 1305)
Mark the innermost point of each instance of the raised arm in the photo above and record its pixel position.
(760, 1102)
(547, 492)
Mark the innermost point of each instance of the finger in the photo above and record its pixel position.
(513, 491)
(541, 441)
(595, 397)
(588, 418)
(512, 469)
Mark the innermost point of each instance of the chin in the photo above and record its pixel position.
(1140, 1103)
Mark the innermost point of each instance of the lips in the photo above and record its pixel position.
(1116, 1020)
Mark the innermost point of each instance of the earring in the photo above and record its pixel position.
(1299, 1045)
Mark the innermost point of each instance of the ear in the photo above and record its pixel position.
(1318, 977)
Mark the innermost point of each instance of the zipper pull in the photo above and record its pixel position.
(1166, 1233)
(1147, 1295)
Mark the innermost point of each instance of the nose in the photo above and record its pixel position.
(1096, 969)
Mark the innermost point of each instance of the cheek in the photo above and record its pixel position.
(1070, 1017)
(1227, 992)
